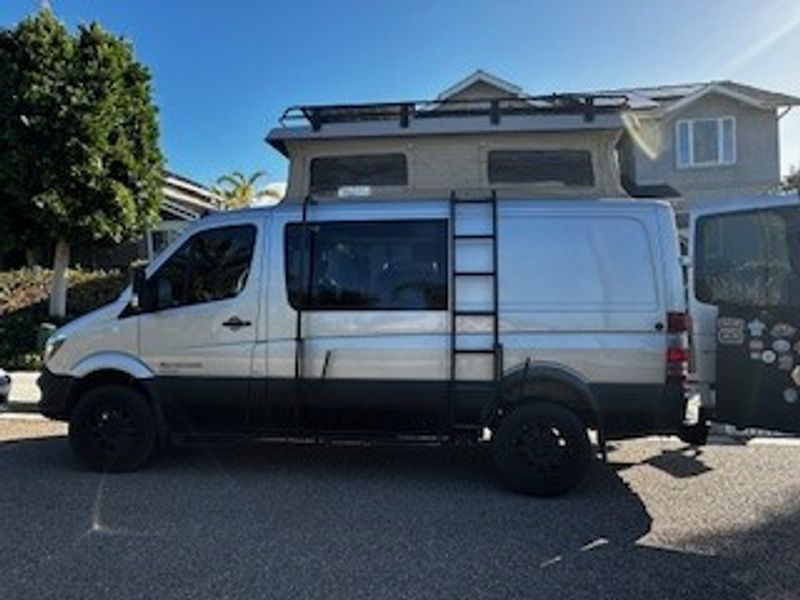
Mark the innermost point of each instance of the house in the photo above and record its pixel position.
(184, 201)
(705, 140)
(696, 141)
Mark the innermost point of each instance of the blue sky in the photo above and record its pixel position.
(224, 71)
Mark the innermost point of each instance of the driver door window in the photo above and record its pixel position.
(211, 265)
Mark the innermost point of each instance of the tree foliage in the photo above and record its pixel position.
(78, 136)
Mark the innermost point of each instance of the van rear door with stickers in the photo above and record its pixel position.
(747, 267)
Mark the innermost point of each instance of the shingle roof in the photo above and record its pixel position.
(665, 95)
(650, 97)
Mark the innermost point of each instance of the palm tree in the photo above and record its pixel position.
(237, 190)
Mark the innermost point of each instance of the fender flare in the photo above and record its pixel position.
(112, 361)
(516, 377)
(125, 365)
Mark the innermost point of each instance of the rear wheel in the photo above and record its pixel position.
(541, 449)
(112, 429)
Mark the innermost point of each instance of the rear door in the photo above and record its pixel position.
(747, 292)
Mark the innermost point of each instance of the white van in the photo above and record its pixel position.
(525, 321)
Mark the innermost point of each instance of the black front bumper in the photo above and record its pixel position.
(55, 401)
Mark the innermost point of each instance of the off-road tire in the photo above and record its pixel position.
(112, 429)
(541, 449)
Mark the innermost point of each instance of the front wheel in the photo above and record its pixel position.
(112, 429)
(541, 449)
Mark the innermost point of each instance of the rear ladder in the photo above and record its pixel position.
(490, 278)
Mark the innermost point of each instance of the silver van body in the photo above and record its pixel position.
(584, 293)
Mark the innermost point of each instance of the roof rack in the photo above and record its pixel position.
(587, 105)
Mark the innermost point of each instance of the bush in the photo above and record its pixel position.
(23, 307)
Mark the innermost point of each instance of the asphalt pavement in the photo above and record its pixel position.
(270, 521)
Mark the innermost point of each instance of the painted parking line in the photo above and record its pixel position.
(6, 415)
(774, 441)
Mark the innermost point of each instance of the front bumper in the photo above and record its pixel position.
(56, 395)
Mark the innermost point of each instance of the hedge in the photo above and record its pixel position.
(23, 308)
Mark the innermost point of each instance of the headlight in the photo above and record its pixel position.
(52, 345)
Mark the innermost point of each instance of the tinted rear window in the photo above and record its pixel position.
(330, 173)
(749, 258)
(389, 265)
(567, 167)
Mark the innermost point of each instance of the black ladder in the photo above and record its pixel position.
(491, 277)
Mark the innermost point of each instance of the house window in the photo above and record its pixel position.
(705, 142)
(385, 265)
(331, 173)
(564, 167)
(161, 236)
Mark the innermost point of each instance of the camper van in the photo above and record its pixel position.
(442, 320)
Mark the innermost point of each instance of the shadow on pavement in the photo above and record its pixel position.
(682, 463)
(330, 522)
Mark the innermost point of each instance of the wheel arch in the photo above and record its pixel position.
(111, 361)
(553, 383)
(96, 371)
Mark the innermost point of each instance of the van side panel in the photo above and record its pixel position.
(585, 292)
(582, 289)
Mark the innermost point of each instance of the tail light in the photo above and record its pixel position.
(678, 322)
(678, 326)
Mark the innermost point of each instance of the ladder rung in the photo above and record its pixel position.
(474, 313)
(473, 236)
(474, 350)
(475, 273)
(476, 201)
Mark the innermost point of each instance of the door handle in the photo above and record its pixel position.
(235, 323)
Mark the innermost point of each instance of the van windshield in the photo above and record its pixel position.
(749, 258)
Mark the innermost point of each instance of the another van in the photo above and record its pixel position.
(519, 323)
(743, 281)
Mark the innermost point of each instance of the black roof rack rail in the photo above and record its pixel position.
(586, 105)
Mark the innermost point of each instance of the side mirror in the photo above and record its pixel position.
(141, 297)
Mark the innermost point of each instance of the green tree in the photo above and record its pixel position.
(79, 140)
(238, 190)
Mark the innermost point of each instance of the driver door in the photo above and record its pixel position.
(200, 337)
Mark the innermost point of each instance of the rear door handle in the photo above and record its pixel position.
(235, 323)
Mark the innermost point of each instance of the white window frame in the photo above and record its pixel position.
(168, 227)
(690, 163)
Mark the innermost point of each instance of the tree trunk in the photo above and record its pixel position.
(58, 290)
(30, 257)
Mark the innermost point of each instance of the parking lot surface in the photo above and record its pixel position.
(270, 521)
